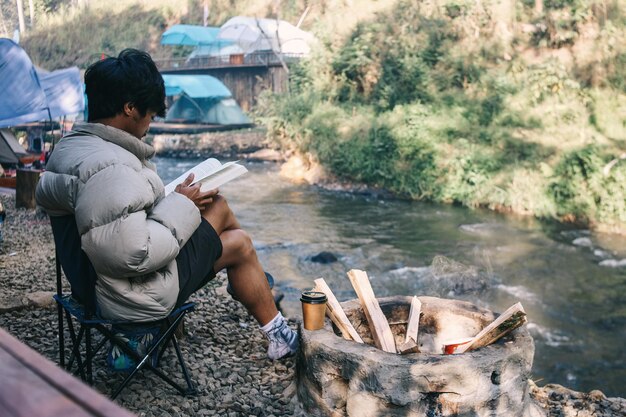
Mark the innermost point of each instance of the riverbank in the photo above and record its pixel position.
(253, 144)
(224, 348)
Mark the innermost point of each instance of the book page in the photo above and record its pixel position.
(210, 173)
(202, 170)
(226, 173)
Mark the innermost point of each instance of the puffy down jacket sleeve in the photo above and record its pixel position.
(55, 192)
(126, 230)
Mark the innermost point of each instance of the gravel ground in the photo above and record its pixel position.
(223, 346)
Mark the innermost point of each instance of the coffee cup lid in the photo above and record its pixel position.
(313, 297)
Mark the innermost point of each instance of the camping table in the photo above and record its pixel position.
(33, 386)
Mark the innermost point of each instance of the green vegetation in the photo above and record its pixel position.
(486, 104)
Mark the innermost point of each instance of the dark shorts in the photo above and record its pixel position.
(196, 260)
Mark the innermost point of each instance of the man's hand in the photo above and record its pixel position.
(192, 192)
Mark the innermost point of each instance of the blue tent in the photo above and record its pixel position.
(29, 95)
(202, 99)
(64, 91)
(195, 86)
(22, 94)
(192, 35)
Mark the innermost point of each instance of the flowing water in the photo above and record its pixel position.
(571, 283)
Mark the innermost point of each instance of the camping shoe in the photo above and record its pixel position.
(283, 341)
(140, 341)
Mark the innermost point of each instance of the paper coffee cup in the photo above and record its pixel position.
(313, 309)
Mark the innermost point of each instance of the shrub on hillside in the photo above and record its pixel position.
(57, 47)
(582, 190)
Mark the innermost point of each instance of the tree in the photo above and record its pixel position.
(20, 16)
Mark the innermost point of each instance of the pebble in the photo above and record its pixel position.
(596, 395)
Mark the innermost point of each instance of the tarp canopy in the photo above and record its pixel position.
(195, 86)
(64, 91)
(29, 95)
(22, 94)
(209, 110)
(193, 35)
(10, 148)
(253, 34)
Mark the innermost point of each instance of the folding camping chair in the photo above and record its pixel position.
(80, 307)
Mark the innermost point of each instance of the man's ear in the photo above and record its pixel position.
(128, 109)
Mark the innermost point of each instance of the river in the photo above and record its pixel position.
(572, 283)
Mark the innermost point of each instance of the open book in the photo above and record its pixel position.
(210, 173)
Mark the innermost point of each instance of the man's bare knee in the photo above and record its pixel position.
(237, 249)
(245, 247)
(219, 215)
(219, 206)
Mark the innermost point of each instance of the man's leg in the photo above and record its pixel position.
(246, 276)
(248, 280)
(245, 273)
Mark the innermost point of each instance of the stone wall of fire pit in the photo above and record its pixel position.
(343, 378)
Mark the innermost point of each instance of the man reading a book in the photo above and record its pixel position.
(150, 251)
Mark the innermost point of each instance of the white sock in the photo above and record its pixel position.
(272, 322)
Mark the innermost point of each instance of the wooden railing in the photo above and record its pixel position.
(266, 58)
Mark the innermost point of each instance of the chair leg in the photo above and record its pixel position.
(61, 337)
(98, 347)
(144, 362)
(84, 368)
(76, 355)
(191, 389)
(89, 353)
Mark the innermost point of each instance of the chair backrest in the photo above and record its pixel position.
(76, 265)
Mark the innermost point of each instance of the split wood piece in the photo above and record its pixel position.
(336, 313)
(508, 321)
(408, 347)
(383, 338)
(410, 339)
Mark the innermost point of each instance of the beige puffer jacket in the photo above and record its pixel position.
(130, 231)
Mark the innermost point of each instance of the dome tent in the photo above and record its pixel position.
(10, 149)
(254, 34)
(201, 99)
(207, 110)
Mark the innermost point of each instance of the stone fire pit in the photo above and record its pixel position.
(337, 377)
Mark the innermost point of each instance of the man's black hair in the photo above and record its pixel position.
(132, 77)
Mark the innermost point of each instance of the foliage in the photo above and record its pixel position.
(616, 77)
(413, 102)
(582, 189)
(138, 28)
